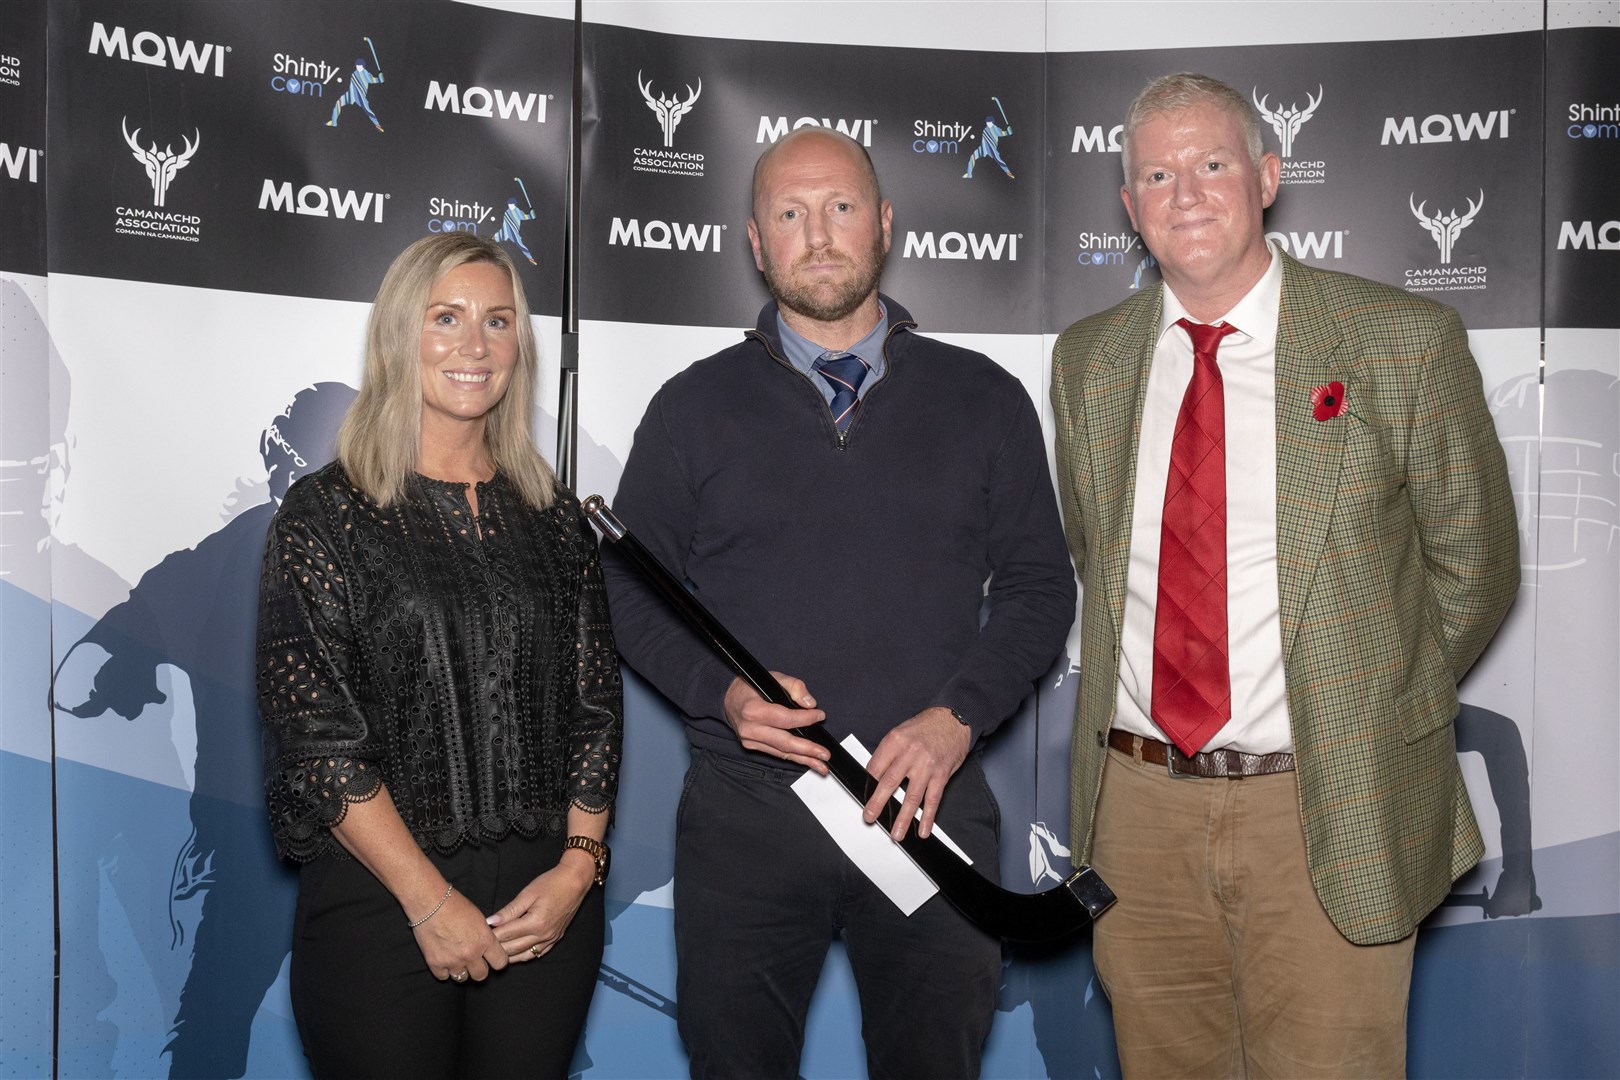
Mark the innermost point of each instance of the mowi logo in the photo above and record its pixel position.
(1583, 234)
(316, 201)
(1311, 245)
(20, 162)
(772, 128)
(956, 245)
(148, 48)
(1442, 128)
(665, 235)
(1095, 139)
(490, 104)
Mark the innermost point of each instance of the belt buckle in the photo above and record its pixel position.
(1171, 753)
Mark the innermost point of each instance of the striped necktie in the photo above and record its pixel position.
(844, 372)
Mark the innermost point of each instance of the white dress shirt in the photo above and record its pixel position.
(1248, 364)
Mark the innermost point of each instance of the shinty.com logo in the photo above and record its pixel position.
(161, 167)
(1594, 121)
(1117, 249)
(669, 109)
(300, 76)
(455, 215)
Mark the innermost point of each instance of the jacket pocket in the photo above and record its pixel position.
(1428, 705)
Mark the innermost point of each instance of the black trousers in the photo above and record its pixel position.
(760, 893)
(367, 1006)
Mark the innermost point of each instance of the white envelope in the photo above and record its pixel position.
(883, 861)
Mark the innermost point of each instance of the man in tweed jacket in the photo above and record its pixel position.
(1268, 903)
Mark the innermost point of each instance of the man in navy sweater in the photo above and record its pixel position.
(837, 489)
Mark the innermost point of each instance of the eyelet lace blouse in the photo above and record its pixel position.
(465, 663)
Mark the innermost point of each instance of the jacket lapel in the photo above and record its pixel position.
(1310, 453)
(1114, 396)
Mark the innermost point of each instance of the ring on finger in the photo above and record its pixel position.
(459, 978)
(535, 950)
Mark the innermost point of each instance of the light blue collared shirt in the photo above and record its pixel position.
(802, 353)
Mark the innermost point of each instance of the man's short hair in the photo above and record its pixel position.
(770, 151)
(1184, 90)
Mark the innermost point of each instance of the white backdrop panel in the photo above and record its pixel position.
(1177, 24)
(995, 25)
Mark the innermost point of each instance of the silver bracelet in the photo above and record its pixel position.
(435, 910)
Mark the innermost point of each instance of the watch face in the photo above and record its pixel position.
(603, 863)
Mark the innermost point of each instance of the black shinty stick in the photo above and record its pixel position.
(1043, 916)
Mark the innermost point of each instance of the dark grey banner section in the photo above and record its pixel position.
(1583, 178)
(22, 137)
(1416, 163)
(673, 126)
(295, 148)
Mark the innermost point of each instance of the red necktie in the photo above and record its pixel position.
(1192, 682)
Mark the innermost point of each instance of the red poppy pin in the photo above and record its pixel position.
(1328, 401)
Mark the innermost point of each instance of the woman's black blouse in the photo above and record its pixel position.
(464, 662)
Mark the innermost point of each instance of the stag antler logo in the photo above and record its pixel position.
(161, 165)
(1445, 228)
(669, 110)
(1287, 122)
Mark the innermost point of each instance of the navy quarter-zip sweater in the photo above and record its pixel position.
(856, 562)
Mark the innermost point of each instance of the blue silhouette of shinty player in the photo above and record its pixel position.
(989, 143)
(197, 610)
(361, 80)
(511, 230)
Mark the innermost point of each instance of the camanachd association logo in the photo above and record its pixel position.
(669, 108)
(1287, 121)
(160, 221)
(1445, 228)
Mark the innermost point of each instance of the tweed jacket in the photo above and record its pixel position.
(1397, 557)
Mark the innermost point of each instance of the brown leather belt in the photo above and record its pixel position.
(1216, 764)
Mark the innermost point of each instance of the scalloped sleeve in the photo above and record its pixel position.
(320, 753)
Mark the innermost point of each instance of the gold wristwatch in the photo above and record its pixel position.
(598, 852)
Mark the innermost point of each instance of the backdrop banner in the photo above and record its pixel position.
(28, 899)
(229, 184)
(184, 282)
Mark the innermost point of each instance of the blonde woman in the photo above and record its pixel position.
(441, 699)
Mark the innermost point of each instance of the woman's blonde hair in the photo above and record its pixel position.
(378, 442)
